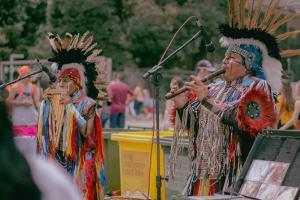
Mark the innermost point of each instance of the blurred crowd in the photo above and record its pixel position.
(23, 100)
(24, 97)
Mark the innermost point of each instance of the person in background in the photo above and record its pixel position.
(294, 121)
(147, 104)
(3, 92)
(36, 80)
(118, 92)
(24, 101)
(204, 68)
(285, 102)
(138, 97)
(130, 106)
(170, 110)
(103, 106)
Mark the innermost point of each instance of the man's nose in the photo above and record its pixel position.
(225, 61)
(225, 64)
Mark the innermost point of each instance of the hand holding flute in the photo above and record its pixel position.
(173, 94)
(198, 87)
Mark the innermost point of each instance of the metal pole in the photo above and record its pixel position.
(158, 66)
(156, 78)
(19, 79)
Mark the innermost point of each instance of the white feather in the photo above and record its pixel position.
(273, 70)
(271, 66)
(54, 68)
(226, 42)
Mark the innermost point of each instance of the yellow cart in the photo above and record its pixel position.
(135, 163)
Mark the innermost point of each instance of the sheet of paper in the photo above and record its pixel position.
(250, 188)
(267, 192)
(285, 193)
(258, 170)
(276, 173)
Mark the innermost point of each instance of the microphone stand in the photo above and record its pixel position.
(19, 79)
(155, 78)
(42, 69)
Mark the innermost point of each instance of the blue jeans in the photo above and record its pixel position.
(104, 118)
(117, 120)
(138, 107)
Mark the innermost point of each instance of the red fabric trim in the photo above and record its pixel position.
(90, 179)
(73, 143)
(100, 139)
(71, 73)
(232, 148)
(191, 95)
(92, 184)
(173, 115)
(212, 189)
(196, 188)
(267, 117)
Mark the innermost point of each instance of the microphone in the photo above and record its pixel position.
(51, 76)
(209, 77)
(210, 47)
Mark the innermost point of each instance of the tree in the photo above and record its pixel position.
(97, 17)
(135, 32)
(20, 20)
(10, 11)
(153, 25)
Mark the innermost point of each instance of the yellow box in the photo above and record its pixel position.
(134, 150)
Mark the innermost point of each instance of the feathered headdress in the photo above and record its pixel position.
(79, 54)
(252, 36)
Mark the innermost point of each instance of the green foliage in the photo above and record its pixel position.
(132, 32)
(97, 17)
(135, 32)
(20, 19)
(10, 11)
(153, 25)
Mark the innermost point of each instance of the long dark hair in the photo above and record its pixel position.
(15, 176)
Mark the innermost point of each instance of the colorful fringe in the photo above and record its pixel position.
(88, 172)
(92, 170)
(204, 187)
(48, 143)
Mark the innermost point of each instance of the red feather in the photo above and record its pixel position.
(253, 119)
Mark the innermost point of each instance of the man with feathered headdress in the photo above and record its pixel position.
(77, 143)
(223, 118)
